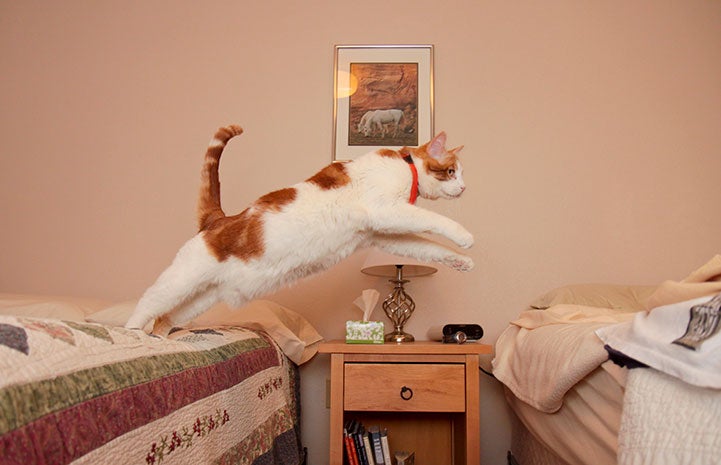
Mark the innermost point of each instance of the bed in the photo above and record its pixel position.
(76, 387)
(592, 375)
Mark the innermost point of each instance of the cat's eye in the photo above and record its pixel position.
(451, 171)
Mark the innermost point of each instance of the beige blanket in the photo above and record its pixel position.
(543, 353)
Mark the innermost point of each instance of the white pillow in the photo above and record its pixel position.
(296, 337)
(62, 308)
(115, 315)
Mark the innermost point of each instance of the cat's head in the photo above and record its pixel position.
(440, 175)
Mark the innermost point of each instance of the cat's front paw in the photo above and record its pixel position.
(459, 262)
(464, 240)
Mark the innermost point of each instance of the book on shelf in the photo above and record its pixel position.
(366, 447)
(386, 448)
(350, 448)
(355, 448)
(374, 432)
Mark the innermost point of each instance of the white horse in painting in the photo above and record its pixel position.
(364, 124)
(374, 120)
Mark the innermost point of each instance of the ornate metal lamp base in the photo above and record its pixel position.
(398, 336)
(398, 307)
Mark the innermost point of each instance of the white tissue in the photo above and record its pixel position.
(367, 302)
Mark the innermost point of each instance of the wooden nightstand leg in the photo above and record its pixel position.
(473, 411)
(336, 409)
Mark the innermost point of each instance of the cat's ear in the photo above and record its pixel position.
(456, 150)
(437, 147)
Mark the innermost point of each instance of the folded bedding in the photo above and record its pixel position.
(544, 353)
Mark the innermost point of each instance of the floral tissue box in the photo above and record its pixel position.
(364, 332)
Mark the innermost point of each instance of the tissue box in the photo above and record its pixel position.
(364, 332)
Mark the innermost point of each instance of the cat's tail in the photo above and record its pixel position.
(209, 209)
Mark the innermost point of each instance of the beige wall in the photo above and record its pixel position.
(592, 134)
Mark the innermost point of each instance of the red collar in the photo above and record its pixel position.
(414, 172)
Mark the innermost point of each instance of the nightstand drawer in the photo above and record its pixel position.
(405, 387)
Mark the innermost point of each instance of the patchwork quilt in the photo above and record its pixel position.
(86, 393)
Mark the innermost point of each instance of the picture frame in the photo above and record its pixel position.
(382, 98)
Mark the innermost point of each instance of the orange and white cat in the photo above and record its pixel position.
(306, 228)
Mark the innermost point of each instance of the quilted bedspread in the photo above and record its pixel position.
(82, 393)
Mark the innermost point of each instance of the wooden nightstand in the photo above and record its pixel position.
(425, 393)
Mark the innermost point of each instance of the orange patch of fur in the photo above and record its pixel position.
(276, 200)
(330, 177)
(241, 235)
(388, 153)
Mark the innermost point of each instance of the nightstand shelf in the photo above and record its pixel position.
(436, 415)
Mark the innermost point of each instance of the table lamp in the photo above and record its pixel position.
(398, 306)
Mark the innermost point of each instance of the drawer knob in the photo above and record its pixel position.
(406, 393)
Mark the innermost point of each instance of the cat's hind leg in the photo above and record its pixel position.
(186, 311)
(189, 275)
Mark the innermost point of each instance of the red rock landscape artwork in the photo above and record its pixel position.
(384, 109)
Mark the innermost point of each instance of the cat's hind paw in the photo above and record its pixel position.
(161, 327)
(459, 263)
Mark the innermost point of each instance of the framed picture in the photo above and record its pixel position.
(383, 97)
